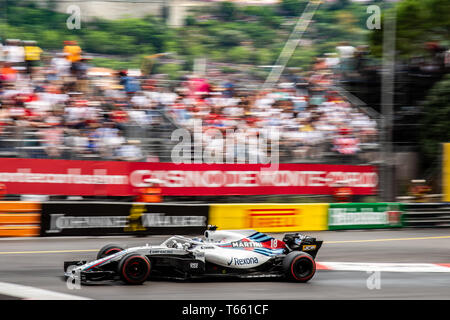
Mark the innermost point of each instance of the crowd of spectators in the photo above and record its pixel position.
(56, 105)
(310, 119)
(52, 107)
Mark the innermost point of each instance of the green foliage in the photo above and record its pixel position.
(240, 34)
(264, 14)
(436, 119)
(102, 42)
(190, 21)
(418, 21)
(228, 11)
(303, 57)
(171, 69)
(229, 70)
(240, 54)
(339, 4)
(293, 7)
(229, 38)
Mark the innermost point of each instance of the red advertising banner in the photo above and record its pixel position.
(116, 178)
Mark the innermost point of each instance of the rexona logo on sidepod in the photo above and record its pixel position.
(243, 262)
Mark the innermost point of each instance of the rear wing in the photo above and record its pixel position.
(299, 242)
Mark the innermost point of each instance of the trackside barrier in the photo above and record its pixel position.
(343, 216)
(26, 219)
(19, 219)
(270, 217)
(427, 215)
(115, 218)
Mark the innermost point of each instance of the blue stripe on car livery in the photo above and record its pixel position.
(103, 261)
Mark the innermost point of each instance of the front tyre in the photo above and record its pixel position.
(134, 268)
(299, 266)
(108, 250)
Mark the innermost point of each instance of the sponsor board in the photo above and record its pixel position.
(446, 172)
(120, 178)
(19, 218)
(273, 217)
(87, 218)
(364, 215)
(270, 217)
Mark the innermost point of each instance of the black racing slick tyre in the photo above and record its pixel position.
(299, 266)
(134, 268)
(108, 250)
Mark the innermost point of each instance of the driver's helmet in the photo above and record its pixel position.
(176, 245)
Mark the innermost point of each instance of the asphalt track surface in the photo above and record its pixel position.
(38, 263)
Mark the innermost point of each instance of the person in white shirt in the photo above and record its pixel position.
(1, 51)
(14, 52)
(129, 151)
(346, 54)
(61, 65)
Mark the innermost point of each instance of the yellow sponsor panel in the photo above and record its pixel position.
(446, 171)
(270, 217)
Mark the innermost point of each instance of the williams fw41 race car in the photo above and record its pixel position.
(220, 253)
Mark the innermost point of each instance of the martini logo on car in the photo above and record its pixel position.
(243, 262)
(246, 244)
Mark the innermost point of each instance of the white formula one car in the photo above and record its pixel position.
(221, 253)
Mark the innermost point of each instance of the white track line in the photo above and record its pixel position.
(31, 293)
(385, 267)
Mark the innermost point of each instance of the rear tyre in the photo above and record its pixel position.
(299, 266)
(108, 250)
(134, 268)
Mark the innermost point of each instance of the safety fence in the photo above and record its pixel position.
(71, 218)
(427, 215)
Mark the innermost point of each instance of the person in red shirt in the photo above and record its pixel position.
(151, 193)
(7, 73)
(2, 190)
(119, 116)
(342, 192)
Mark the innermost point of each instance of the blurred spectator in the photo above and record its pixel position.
(346, 54)
(130, 84)
(2, 56)
(342, 192)
(3, 191)
(7, 73)
(345, 143)
(129, 151)
(32, 55)
(419, 189)
(73, 55)
(14, 52)
(151, 193)
(60, 65)
(81, 74)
